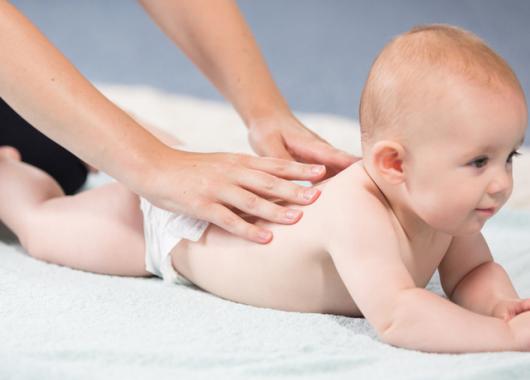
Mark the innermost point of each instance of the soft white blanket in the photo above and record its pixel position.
(59, 323)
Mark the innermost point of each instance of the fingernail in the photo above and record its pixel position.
(264, 235)
(309, 194)
(292, 214)
(319, 169)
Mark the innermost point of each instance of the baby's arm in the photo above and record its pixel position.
(366, 254)
(471, 278)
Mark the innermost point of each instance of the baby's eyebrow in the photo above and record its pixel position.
(520, 143)
(485, 149)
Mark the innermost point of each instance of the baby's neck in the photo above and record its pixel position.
(398, 201)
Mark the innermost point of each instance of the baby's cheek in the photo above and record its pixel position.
(439, 202)
(447, 212)
(433, 210)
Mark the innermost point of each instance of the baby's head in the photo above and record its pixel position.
(441, 118)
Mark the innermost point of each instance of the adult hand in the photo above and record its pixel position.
(229, 56)
(288, 138)
(210, 186)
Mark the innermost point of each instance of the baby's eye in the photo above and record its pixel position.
(479, 162)
(512, 155)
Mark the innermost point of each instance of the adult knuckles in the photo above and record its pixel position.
(229, 221)
(244, 160)
(234, 159)
(251, 201)
(270, 183)
(281, 169)
(199, 205)
(281, 166)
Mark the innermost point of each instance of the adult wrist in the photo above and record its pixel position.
(272, 118)
(267, 114)
(140, 166)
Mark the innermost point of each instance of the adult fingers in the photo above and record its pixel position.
(315, 150)
(276, 188)
(230, 222)
(285, 169)
(275, 147)
(252, 204)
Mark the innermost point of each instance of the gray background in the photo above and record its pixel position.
(319, 51)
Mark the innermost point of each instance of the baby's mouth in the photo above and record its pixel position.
(486, 211)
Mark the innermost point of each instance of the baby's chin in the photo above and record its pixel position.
(470, 228)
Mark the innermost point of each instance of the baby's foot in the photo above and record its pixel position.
(8, 152)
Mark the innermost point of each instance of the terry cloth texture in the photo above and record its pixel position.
(59, 323)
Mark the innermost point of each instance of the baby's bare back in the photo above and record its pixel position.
(294, 272)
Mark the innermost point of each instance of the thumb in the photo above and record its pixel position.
(275, 147)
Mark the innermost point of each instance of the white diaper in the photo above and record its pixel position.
(162, 231)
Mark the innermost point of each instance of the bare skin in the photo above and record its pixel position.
(416, 203)
(296, 271)
(50, 93)
(318, 271)
(368, 247)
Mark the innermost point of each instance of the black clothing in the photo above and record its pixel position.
(38, 150)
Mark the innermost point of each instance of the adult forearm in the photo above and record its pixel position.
(482, 288)
(47, 90)
(217, 39)
(424, 321)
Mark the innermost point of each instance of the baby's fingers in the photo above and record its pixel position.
(517, 308)
(524, 305)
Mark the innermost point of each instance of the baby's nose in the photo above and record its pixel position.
(501, 184)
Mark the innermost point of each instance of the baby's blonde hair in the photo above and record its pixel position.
(399, 74)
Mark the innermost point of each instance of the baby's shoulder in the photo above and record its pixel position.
(353, 204)
(352, 190)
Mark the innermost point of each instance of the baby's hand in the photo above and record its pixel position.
(520, 328)
(508, 308)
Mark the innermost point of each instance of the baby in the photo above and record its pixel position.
(442, 116)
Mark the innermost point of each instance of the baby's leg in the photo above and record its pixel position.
(99, 230)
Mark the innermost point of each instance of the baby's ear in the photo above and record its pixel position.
(387, 159)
